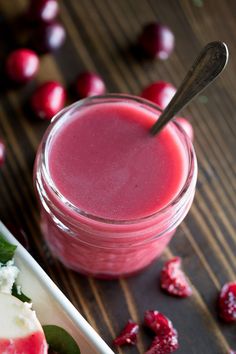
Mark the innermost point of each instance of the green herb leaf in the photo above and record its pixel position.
(20, 296)
(7, 250)
(60, 341)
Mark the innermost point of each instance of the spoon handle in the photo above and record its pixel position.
(208, 65)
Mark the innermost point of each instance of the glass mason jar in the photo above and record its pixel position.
(98, 246)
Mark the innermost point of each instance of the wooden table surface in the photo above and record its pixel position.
(100, 37)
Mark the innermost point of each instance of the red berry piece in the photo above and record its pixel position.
(157, 40)
(89, 84)
(166, 340)
(159, 92)
(128, 334)
(187, 127)
(164, 345)
(227, 302)
(173, 280)
(42, 10)
(48, 37)
(2, 152)
(157, 322)
(22, 65)
(48, 99)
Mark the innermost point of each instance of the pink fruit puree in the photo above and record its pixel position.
(32, 344)
(105, 162)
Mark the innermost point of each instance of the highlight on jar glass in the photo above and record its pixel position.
(111, 194)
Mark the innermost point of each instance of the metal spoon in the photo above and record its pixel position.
(208, 65)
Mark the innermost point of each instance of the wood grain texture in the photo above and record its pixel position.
(100, 36)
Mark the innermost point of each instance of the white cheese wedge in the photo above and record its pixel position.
(8, 275)
(18, 321)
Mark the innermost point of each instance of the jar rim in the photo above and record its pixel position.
(99, 99)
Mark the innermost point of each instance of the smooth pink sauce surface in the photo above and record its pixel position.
(105, 161)
(32, 344)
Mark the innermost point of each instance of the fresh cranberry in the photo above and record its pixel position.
(164, 345)
(128, 334)
(48, 99)
(159, 92)
(157, 40)
(2, 152)
(173, 279)
(89, 84)
(42, 10)
(187, 127)
(227, 302)
(48, 37)
(22, 65)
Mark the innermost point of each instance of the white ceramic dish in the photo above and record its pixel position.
(51, 305)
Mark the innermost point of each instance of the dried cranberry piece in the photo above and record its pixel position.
(157, 322)
(164, 344)
(166, 340)
(173, 279)
(227, 302)
(128, 335)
